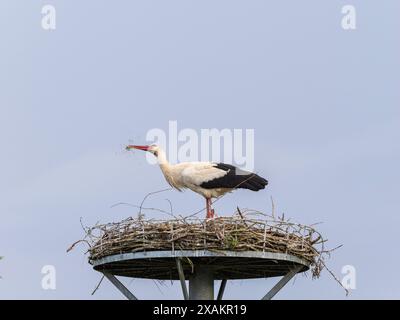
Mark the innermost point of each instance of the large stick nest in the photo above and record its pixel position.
(244, 231)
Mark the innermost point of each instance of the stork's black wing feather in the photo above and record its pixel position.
(235, 178)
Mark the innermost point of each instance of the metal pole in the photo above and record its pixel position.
(281, 283)
(221, 289)
(124, 290)
(182, 279)
(201, 283)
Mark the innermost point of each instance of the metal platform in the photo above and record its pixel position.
(161, 265)
(201, 268)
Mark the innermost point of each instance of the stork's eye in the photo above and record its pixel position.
(156, 153)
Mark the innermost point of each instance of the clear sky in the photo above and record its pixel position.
(323, 101)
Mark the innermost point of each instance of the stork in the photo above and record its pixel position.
(209, 179)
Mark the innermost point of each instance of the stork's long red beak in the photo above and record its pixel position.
(144, 148)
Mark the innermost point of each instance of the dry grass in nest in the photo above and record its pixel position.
(244, 231)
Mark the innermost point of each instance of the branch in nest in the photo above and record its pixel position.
(236, 233)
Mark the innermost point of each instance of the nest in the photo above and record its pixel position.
(244, 231)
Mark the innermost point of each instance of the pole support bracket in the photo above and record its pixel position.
(182, 278)
(124, 290)
(282, 282)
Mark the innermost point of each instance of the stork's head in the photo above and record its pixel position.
(154, 149)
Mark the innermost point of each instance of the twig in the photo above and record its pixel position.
(240, 213)
(98, 285)
(76, 242)
(273, 207)
(150, 194)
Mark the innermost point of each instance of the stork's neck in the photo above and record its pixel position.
(166, 168)
(162, 160)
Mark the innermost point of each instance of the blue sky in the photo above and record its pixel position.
(323, 101)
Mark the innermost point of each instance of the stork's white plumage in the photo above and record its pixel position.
(209, 179)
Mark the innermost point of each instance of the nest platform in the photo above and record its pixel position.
(244, 246)
(230, 265)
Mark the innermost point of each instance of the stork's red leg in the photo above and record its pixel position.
(210, 212)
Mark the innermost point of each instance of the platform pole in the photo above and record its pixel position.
(201, 283)
(281, 283)
(124, 290)
(221, 289)
(182, 278)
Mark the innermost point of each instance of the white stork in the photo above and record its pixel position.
(209, 179)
